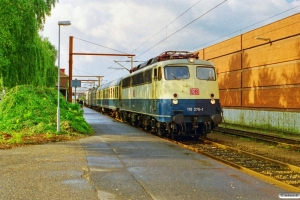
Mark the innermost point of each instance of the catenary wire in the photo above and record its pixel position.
(100, 45)
(150, 37)
(167, 25)
(243, 28)
(182, 28)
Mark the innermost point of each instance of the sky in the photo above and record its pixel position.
(147, 28)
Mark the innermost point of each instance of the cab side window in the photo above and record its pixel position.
(159, 74)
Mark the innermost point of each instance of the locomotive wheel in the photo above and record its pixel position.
(117, 115)
(171, 133)
(121, 117)
(158, 131)
(146, 127)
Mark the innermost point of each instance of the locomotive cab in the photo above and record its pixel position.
(187, 97)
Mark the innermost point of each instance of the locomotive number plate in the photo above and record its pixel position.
(194, 91)
(194, 109)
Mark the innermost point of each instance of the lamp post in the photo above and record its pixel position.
(60, 23)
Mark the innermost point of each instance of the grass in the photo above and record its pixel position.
(36, 139)
(28, 115)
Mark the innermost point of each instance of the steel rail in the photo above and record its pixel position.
(283, 175)
(284, 142)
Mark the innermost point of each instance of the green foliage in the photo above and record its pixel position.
(25, 57)
(30, 109)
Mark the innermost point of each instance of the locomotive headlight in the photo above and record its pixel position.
(191, 60)
(212, 101)
(175, 101)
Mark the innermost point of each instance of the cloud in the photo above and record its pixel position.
(147, 28)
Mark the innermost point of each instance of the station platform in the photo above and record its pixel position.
(121, 162)
(127, 163)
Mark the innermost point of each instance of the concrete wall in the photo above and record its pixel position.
(259, 80)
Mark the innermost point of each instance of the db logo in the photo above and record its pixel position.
(194, 91)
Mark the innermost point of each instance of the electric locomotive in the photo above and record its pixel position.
(174, 93)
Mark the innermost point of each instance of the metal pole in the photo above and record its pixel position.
(70, 68)
(75, 89)
(58, 83)
(75, 95)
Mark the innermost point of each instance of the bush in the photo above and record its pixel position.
(34, 110)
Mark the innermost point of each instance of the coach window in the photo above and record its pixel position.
(117, 92)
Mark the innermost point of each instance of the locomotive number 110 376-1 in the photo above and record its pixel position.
(194, 109)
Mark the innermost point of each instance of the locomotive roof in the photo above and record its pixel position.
(167, 55)
(172, 62)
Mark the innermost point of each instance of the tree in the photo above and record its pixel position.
(25, 57)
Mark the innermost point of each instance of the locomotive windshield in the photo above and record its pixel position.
(206, 73)
(176, 72)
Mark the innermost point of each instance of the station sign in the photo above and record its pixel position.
(76, 83)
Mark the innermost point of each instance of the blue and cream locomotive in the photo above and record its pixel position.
(174, 93)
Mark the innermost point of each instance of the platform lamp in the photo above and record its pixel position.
(60, 23)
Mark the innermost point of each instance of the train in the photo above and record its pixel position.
(174, 94)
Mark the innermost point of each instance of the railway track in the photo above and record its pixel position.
(278, 173)
(273, 139)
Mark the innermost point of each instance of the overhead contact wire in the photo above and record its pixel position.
(182, 27)
(245, 27)
(167, 25)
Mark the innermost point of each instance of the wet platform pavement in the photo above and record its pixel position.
(121, 162)
(127, 163)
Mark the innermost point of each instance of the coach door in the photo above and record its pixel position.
(154, 85)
